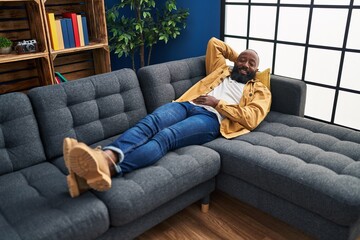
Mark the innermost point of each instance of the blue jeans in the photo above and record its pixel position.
(169, 127)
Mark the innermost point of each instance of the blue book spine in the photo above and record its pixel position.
(70, 32)
(85, 30)
(65, 33)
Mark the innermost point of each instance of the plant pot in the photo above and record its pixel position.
(5, 50)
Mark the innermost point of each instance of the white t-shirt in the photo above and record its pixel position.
(229, 90)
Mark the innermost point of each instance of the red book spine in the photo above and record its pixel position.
(73, 18)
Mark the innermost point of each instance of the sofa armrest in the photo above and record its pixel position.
(288, 95)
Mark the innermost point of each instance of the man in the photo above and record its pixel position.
(230, 103)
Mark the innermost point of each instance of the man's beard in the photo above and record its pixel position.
(235, 75)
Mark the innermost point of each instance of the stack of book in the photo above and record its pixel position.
(69, 31)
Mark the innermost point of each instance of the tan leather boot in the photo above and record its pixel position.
(91, 164)
(76, 184)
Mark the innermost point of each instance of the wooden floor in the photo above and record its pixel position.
(227, 219)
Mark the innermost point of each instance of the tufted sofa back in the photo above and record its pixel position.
(20, 144)
(165, 82)
(89, 109)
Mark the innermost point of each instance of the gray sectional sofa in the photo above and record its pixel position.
(301, 171)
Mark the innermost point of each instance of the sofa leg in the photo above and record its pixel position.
(205, 202)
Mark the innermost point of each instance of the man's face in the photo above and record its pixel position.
(245, 66)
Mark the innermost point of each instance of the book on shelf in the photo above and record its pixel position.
(59, 33)
(70, 31)
(65, 33)
(61, 77)
(81, 32)
(85, 30)
(53, 33)
(75, 27)
(57, 80)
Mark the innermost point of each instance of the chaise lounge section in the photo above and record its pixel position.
(304, 172)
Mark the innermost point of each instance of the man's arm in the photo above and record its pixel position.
(216, 54)
(254, 111)
(207, 100)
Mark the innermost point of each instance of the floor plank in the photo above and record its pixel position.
(227, 218)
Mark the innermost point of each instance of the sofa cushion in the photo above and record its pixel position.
(312, 164)
(35, 204)
(20, 143)
(88, 109)
(146, 189)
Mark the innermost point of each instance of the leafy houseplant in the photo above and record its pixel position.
(143, 30)
(5, 45)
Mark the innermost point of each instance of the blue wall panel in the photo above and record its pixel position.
(202, 24)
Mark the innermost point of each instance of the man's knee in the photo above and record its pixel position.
(166, 138)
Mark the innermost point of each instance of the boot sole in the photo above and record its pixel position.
(83, 163)
(72, 180)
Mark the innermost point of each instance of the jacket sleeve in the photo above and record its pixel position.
(253, 112)
(216, 54)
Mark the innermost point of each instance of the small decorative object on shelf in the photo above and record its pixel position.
(26, 46)
(5, 45)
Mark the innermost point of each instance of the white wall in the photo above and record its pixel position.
(324, 52)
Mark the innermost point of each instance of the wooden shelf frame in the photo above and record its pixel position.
(94, 10)
(26, 19)
(23, 20)
(13, 57)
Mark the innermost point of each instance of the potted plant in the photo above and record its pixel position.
(5, 45)
(146, 26)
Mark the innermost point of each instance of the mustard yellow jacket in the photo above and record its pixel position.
(254, 104)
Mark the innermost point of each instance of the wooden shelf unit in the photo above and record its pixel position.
(75, 63)
(79, 64)
(21, 20)
(26, 19)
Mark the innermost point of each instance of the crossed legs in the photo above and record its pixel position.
(88, 168)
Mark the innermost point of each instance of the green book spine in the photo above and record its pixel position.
(61, 77)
